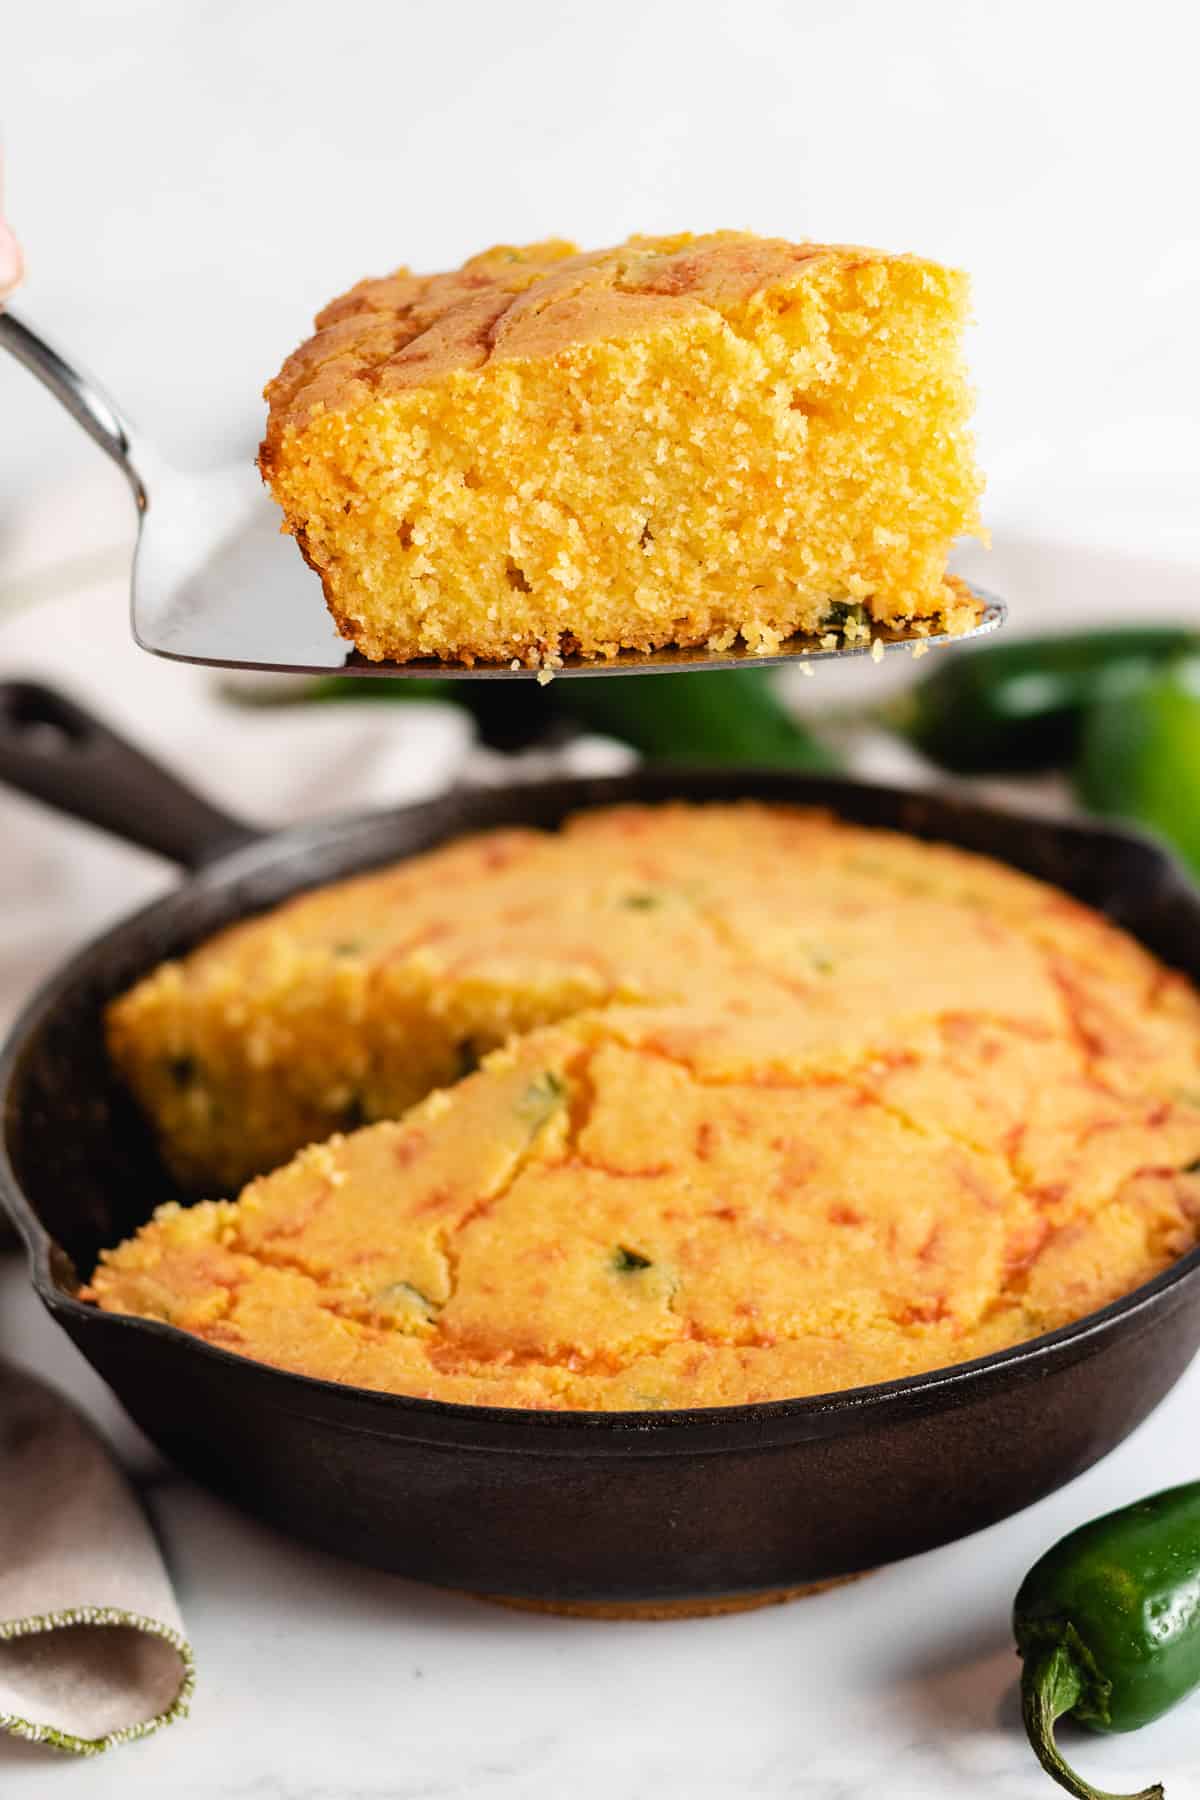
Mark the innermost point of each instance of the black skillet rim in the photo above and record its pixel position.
(677, 1430)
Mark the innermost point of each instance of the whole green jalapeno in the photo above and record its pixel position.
(1107, 1625)
(731, 715)
(1019, 707)
(1139, 757)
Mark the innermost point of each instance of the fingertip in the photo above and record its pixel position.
(12, 263)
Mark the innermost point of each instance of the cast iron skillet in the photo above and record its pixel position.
(612, 1507)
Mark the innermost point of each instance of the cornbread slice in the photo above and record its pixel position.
(683, 440)
(645, 1209)
(836, 947)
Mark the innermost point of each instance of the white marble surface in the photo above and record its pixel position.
(321, 1681)
(191, 183)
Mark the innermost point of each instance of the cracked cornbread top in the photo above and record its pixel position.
(513, 301)
(682, 440)
(888, 1106)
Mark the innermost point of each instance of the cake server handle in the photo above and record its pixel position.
(82, 397)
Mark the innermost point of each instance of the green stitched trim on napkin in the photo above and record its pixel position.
(100, 1615)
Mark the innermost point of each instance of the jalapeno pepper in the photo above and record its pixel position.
(1019, 707)
(1140, 757)
(731, 715)
(1108, 1626)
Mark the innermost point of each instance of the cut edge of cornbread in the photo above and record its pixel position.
(683, 441)
(350, 1003)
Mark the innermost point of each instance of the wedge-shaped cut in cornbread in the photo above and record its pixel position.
(823, 947)
(604, 1216)
(685, 440)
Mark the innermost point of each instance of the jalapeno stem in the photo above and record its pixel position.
(1051, 1684)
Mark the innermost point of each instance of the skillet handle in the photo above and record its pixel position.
(56, 752)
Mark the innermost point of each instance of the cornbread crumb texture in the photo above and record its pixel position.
(681, 440)
(884, 1106)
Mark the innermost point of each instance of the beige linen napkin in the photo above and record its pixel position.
(92, 1651)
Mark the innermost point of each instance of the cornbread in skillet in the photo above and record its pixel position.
(350, 1003)
(880, 1106)
(683, 440)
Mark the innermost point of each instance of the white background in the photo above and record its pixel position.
(192, 182)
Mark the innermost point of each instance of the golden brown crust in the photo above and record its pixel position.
(404, 330)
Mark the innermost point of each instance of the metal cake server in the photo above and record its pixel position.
(214, 581)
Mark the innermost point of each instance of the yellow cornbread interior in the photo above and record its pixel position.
(908, 1107)
(680, 441)
(351, 1003)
